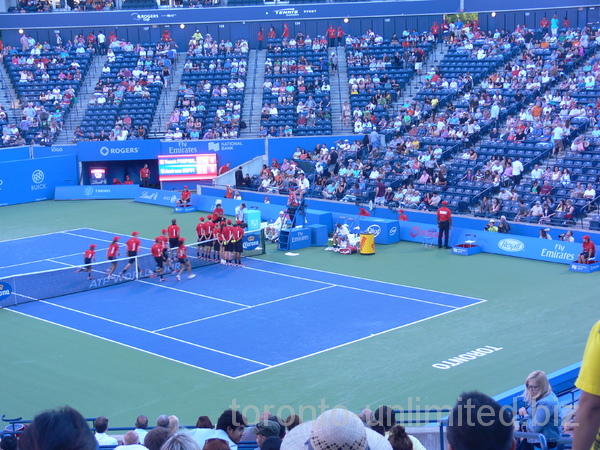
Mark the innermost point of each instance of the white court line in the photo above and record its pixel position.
(366, 279)
(43, 234)
(358, 289)
(197, 294)
(245, 309)
(356, 340)
(38, 261)
(151, 332)
(119, 343)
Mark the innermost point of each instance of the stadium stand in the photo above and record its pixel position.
(47, 80)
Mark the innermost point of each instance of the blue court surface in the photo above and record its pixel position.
(218, 321)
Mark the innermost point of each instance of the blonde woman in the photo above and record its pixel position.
(542, 413)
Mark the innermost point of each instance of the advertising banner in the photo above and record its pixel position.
(34, 180)
(95, 192)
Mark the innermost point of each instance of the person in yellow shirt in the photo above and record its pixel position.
(587, 434)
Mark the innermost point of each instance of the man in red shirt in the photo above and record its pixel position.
(238, 243)
(111, 254)
(184, 262)
(544, 25)
(218, 214)
(157, 252)
(331, 34)
(401, 216)
(589, 250)
(444, 219)
(185, 197)
(128, 180)
(174, 234)
(286, 31)
(88, 257)
(200, 232)
(225, 168)
(145, 176)
(435, 30)
(116, 181)
(261, 38)
(133, 245)
(340, 36)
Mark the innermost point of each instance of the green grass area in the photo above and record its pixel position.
(538, 313)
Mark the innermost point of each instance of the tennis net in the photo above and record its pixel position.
(30, 287)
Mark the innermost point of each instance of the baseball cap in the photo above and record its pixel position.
(587, 236)
(135, 233)
(93, 246)
(280, 212)
(267, 428)
(164, 230)
(229, 221)
(444, 202)
(492, 221)
(181, 239)
(201, 219)
(116, 238)
(209, 217)
(401, 211)
(185, 187)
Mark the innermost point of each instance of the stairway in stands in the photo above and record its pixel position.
(339, 93)
(253, 93)
(168, 99)
(85, 94)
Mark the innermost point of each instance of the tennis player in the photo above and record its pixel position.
(183, 260)
(200, 233)
(111, 254)
(238, 243)
(88, 257)
(157, 252)
(174, 235)
(133, 245)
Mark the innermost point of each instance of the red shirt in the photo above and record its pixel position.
(208, 229)
(544, 23)
(403, 217)
(286, 31)
(182, 252)
(200, 229)
(271, 34)
(261, 35)
(89, 254)
(444, 214)
(173, 231)
(157, 249)
(435, 29)
(133, 244)
(164, 240)
(227, 233)
(145, 173)
(224, 169)
(331, 32)
(128, 182)
(113, 250)
(185, 194)
(340, 32)
(238, 233)
(218, 213)
(589, 247)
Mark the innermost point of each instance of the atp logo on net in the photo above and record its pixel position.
(38, 177)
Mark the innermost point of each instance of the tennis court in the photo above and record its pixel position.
(538, 313)
(203, 322)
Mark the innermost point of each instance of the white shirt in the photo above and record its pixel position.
(105, 439)
(536, 174)
(517, 167)
(303, 183)
(131, 447)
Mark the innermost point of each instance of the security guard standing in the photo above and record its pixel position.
(444, 219)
